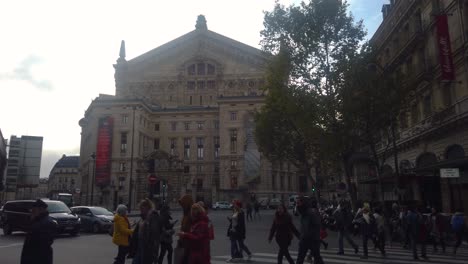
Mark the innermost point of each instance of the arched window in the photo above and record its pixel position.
(426, 159)
(454, 152)
(201, 75)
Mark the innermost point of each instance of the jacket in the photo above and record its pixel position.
(237, 230)
(310, 225)
(122, 231)
(151, 238)
(186, 203)
(343, 218)
(199, 241)
(283, 229)
(367, 228)
(37, 248)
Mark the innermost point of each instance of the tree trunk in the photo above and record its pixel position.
(351, 190)
(395, 159)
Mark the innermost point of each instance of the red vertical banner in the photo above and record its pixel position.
(445, 51)
(104, 151)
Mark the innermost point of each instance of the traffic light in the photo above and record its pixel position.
(313, 188)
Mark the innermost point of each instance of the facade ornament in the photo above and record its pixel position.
(201, 23)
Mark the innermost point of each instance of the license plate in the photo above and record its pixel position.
(69, 228)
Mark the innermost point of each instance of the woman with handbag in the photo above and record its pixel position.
(121, 234)
(283, 230)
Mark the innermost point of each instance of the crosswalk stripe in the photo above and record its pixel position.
(397, 257)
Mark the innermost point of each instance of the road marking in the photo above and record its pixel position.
(12, 245)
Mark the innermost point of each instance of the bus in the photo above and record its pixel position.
(66, 198)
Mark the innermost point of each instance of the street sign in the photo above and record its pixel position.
(77, 191)
(450, 173)
(152, 179)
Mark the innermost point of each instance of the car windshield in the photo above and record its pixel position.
(57, 207)
(100, 211)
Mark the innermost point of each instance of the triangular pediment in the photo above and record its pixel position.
(198, 45)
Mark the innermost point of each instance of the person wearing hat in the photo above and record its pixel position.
(37, 246)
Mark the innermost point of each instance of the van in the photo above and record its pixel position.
(16, 216)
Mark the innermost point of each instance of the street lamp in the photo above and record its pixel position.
(93, 157)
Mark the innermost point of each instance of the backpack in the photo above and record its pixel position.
(457, 223)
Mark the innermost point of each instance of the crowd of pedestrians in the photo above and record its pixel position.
(150, 239)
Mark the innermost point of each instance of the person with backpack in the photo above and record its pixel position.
(344, 219)
(283, 230)
(458, 227)
(437, 229)
(166, 234)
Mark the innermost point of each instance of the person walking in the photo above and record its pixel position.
(237, 233)
(283, 230)
(458, 223)
(344, 219)
(367, 226)
(198, 238)
(183, 248)
(37, 247)
(257, 210)
(147, 234)
(437, 229)
(122, 233)
(166, 234)
(380, 222)
(416, 230)
(310, 230)
(249, 211)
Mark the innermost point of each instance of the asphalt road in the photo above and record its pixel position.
(98, 248)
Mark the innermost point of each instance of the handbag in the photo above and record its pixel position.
(179, 255)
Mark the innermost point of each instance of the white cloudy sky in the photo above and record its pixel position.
(56, 56)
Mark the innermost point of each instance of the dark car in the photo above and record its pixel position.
(16, 216)
(94, 219)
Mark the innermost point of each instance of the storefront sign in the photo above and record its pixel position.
(445, 51)
(104, 151)
(450, 173)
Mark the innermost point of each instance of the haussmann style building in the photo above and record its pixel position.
(426, 42)
(181, 122)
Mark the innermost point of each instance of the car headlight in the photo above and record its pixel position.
(79, 220)
(105, 220)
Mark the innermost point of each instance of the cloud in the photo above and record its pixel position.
(23, 72)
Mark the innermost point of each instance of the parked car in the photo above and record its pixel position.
(94, 219)
(222, 205)
(264, 202)
(16, 216)
(274, 203)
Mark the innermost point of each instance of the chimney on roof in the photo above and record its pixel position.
(201, 23)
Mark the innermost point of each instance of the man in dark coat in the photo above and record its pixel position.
(37, 248)
(310, 230)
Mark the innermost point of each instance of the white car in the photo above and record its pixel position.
(222, 205)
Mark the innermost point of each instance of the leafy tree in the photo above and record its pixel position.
(302, 117)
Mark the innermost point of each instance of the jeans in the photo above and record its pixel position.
(459, 235)
(234, 249)
(138, 259)
(343, 233)
(414, 246)
(381, 241)
(365, 239)
(284, 252)
(243, 247)
(306, 245)
(122, 253)
(438, 239)
(165, 247)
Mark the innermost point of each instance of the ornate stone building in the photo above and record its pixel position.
(181, 121)
(426, 42)
(65, 177)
